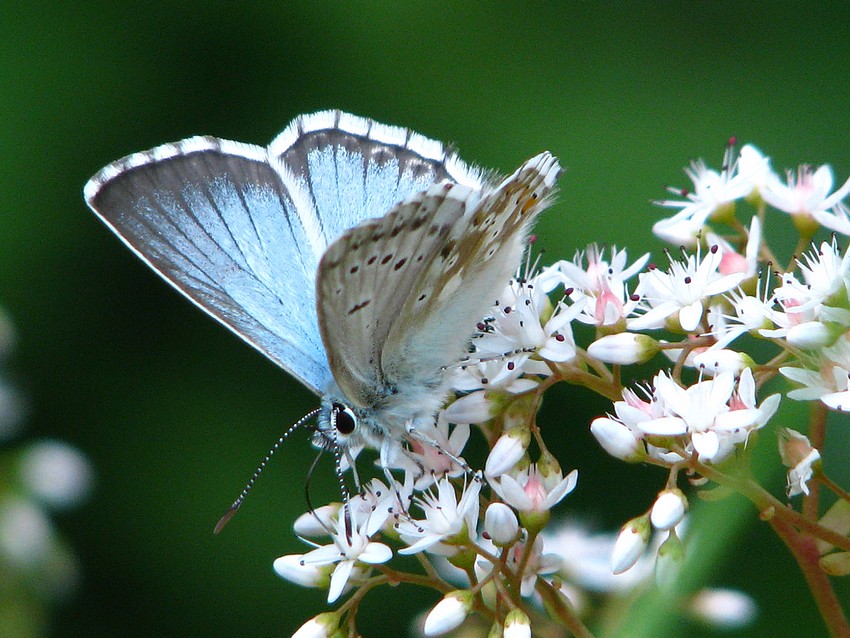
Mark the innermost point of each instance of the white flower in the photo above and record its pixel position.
(446, 519)
(805, 195)
(523, 322)
(682, 291)
(351, 547)
(724, 608)
(600, 286)
(531, 491)
(713, 193)
(435, 449)
(826, 377)
(57, 474)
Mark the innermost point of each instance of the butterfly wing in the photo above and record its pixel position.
(240, 229)
(400, 297)
(460, 284)
(365, 277)
(217, 222)
(355, 169)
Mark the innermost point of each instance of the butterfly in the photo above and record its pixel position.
(357, 256)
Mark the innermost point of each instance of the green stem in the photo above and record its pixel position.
(561, 607)
(805, 552)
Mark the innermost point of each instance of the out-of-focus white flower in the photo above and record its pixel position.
(724, 608)
(447, 518)
(26, 534)
(682, 292)
(600, 286)
(837, 218)
(671, 556)
(55, 473)
(806, 195)
(538, 562)
(799, 457)
(731, 260)
(449, 613)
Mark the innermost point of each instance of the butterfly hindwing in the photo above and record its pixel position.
(455, 291)
(366, 275)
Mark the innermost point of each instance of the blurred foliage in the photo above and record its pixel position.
(174, 412)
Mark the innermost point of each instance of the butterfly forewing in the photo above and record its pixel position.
(365, 278)
(465, 276)
(216, 221)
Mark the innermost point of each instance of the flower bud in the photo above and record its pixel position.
(293, 568)
(811, 335)
(501, 525)
(517, 624)
(671, 555)
(507, 451)
(321, 626)
(631, 543)
(449, 613)
(624, 348)
(668, 509)
(617, 439)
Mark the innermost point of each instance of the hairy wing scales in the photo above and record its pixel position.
(459, 286)
(366, 276)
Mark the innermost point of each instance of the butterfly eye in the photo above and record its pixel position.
(343, 419)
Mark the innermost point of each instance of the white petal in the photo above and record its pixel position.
(339, 579)
(690, 316)
(615, 438)
(706, 444)
(664, 426)
(375, 553)
(563, 488)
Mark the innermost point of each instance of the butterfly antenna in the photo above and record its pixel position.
(238, 502)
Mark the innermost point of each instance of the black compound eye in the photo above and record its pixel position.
(343, 419)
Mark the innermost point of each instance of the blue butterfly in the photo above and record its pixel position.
(357, 256)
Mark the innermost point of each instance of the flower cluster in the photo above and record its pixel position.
(721, 322)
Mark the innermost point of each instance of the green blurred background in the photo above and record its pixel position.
(174, 412)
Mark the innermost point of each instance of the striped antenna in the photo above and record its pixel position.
(238, 502)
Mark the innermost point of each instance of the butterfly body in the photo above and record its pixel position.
(357, 256)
